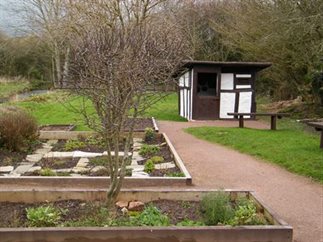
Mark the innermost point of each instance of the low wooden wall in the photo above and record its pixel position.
(280, 232)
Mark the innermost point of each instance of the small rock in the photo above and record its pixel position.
(124, 211)
(121, 204)
(97, 169)
(136, 206)
(80, 170)
(139, 174)
(34, 158)
(6, 169)
(43, 151)
(83, 162)
(34, 168)
(75, 175)
(59, 155)
(52, 142)
(22, 169)
(163, 144)
(85, 154)
(163, 166)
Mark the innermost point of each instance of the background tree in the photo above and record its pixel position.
(49, 20)
(285, 32)
(120, 51)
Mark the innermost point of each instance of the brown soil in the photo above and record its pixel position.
(57, 128)
(177, 211)
(10, 158)
(60, 146)
(14, 214)
(164, 172)
(56, 163)
(140, 124)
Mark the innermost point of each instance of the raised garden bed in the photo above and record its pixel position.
(169, 203)
(57, 127)
(140, 125)
(63, 163)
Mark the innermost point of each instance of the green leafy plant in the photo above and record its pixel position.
(74, 144)
(99, 161)
(157, 159)
(246, 214)
(152, 216)
(149, 166)
(47, 172)
(216, 208)
(175, 174)
(150, 134)
(148, 150)
(98, 217)
(43, 216)
(187, 222)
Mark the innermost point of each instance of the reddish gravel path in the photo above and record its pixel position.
(297, 199)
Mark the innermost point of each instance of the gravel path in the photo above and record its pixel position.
(298, 200)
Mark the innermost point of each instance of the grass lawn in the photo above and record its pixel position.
(289, 147)
(11, 88)
(57, 108)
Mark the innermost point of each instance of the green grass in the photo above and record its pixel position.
(11, 88)
(59, 108)
(289, 147)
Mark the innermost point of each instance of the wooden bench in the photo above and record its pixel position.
(318, 127)
(273, 116)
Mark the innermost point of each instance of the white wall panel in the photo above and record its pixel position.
(227, 81)
(227, 103)
(243, 86)
(181, 96)
(245, 101)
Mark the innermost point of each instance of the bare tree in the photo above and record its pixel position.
(49, 20)
(120, 50)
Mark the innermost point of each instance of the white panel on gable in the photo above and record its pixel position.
(227, 103)
(181, 81)
(245, 101)
(227, 81)
(243, 86)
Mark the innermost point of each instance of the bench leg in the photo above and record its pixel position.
(273, 122)
(241, 125)
(321, 145)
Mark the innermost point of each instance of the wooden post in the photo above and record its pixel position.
(273, 122)
(240, 121)
(321, 139)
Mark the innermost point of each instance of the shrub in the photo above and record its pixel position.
(175, 174)
(148, 150)
(149, 166)
(43, 216)
(151, 216)
(74, 144)
(47, 172)
(18, 129)
(187, 222)
(216, 208)
(157, 159)
(246, 214)
(150, 134)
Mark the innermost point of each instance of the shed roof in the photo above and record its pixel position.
(256, 65)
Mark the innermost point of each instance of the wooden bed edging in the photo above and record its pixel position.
(280, 232)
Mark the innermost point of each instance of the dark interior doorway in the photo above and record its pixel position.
(206, 96)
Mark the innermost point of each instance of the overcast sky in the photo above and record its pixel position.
(10, 22)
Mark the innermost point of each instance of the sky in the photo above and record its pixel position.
(10, 22)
